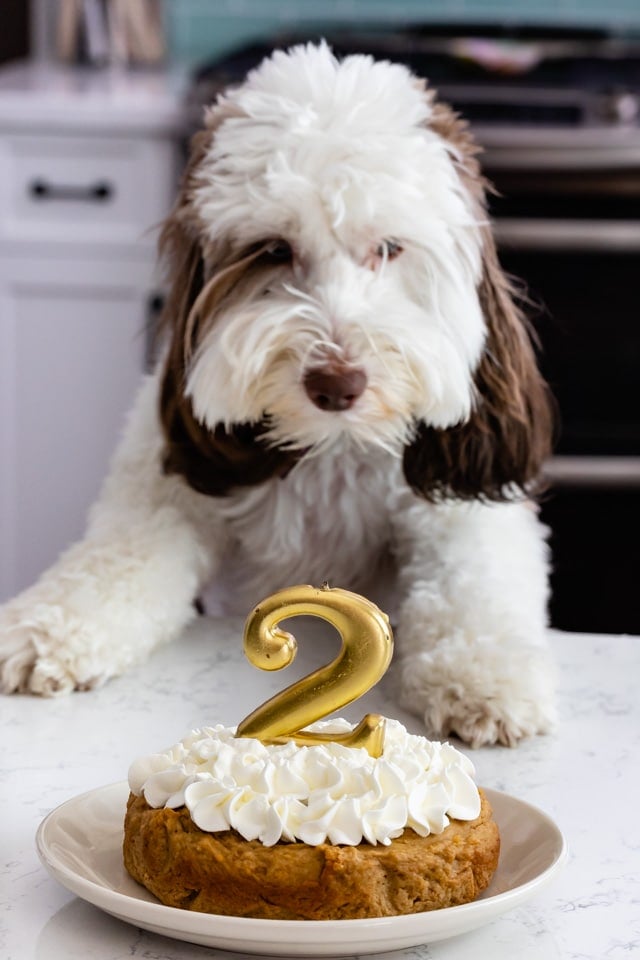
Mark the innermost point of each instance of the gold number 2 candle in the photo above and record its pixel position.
(367, 646)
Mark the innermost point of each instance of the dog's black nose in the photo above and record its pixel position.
(334, 387)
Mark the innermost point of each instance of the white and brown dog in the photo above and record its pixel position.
(347, 394)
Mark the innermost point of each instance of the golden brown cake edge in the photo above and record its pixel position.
(224, 874)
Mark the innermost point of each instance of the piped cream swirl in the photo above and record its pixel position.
(316, 794)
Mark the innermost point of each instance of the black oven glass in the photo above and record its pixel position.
(584, 308)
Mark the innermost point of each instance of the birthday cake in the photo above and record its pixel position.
(234, 826)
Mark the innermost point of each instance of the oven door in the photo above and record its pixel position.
(581, 283)
(572, 240)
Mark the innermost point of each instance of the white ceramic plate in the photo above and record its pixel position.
(80, 844)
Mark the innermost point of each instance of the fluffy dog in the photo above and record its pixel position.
(347, 393)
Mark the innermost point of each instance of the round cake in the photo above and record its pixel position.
(232, 826)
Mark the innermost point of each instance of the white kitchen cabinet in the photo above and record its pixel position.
(88, 167)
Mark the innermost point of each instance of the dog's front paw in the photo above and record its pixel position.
(480, 722)
(17, 652)
(22, 668)
(485, 695)
(34, 656)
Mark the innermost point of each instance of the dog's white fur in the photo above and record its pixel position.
(336, 158)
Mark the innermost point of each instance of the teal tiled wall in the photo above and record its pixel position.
(201, 29)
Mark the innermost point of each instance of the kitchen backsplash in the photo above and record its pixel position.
(201, 29)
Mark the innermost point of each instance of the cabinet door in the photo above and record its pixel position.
(72, 346)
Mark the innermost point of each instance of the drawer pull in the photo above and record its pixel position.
(98, 192)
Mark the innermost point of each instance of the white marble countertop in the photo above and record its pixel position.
(586, 777)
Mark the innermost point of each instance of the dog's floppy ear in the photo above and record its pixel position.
(499, 451)
(213, 461)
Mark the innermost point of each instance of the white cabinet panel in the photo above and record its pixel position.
(76, 276)
(72, 345)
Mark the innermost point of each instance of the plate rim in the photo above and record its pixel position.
(172, 921)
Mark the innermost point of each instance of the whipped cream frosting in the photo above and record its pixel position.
(316, 794)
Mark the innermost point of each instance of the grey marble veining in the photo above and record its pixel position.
(586, 776)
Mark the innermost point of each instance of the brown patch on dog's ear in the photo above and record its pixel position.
(499, 451)
(180, 250)
(465, 150)
(215, 461)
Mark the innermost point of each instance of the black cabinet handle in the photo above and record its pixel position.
(155, 306)
(99, 192)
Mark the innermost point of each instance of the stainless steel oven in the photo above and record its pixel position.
(558, 116)
(568, 224)
(567, 220)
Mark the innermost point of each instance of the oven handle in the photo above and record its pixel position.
(511, 149)
(576, 471)
(538, 234)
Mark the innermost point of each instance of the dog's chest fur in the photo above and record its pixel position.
(328, 520)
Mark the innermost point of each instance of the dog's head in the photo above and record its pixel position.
(332, 275)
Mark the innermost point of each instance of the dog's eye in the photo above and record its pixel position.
(389, 249)
(277, 251)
